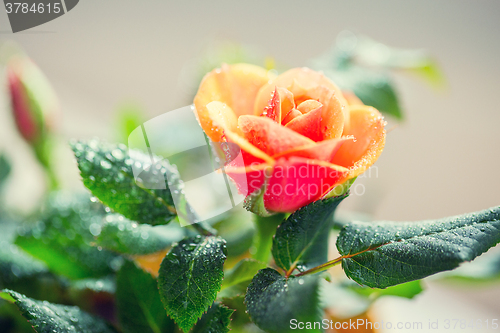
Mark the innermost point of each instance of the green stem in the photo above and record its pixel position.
(44, 153)
(322, 267)
(263, 240)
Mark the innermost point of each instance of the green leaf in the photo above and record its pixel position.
(371, 53)
(4, 169)
(138, 302)
(102, 285)
(63, 237)
(121, 235)
(301, 241)
(190, 277)
(273, 301)
(21, 272)
(372, 87)
(243, 271)
(216, 320)
(107, 171)
(429, 70)
(95, 296)
(15, 264)
(46, 317)
(484, 269)
(384, 254)
(406, 290)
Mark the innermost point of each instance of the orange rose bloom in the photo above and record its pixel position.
(298, 135)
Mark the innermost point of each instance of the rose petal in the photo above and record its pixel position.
(286, 102)
(280, 105)
(324, 123)
(301, 82)
(273, 109)
(292, 114)
(222, 117)
(298, 181)
(308, 124)
(351, 98)
(234, 85)
(322, 151)
(251, 154)
(250, 178)
(367, 127)
(270, 137)
(225, 124)
(308, 106)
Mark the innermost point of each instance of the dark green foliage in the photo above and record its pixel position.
(138, 302)
(384, 254)
(28, 275)
(46, 317)
(63, 237)
(107, 171)
(302, 239)
(95, 296)
(272, 300)
(121, 235)
(216, 320)
(15, 264)
(190, 277)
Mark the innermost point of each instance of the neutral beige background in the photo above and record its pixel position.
(443, 160)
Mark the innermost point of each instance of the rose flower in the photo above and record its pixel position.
(299, 137)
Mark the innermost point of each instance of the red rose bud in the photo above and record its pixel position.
(34, 103)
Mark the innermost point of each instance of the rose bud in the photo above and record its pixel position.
(298, 135)
(34, 103)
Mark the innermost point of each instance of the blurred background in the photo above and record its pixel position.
(441, 160)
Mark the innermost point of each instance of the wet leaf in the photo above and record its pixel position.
(63, 237)
(138, 302)
(274, 301)
(121, 235)
(20, 271)
(108, 172)
(216, 320)
(384, 254)
(190, 277)
(302, 239)
(46, 317)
